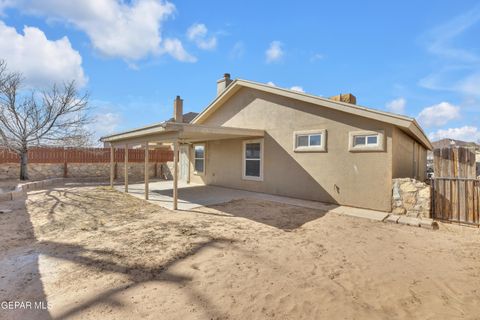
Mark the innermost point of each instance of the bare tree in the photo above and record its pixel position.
(57, 116)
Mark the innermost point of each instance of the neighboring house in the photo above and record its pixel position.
(267, 139)
(186, 117)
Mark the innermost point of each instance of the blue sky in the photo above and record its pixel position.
(419, 58)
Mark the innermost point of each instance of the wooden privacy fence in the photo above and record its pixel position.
(85, 155)
(456, 191)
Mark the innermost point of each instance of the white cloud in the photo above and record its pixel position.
(294, 88)
(439, 114)
(470, 85)
(238, 50)
(5, 4)
(275, 52)
(175, 48)
(105, 123)
(198, 34)
(316, 57)
(465, 133)
(129, 30)
(297, 88)
(452, 79)
(41, 61)
(457, 68)
(440, 38)
(396, 105)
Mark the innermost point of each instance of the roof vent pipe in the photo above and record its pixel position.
(223, 83)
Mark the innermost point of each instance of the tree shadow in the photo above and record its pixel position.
(275, 214)
(20, 279)
(136, 274)
(76, 200)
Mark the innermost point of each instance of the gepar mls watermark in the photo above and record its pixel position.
(24, 305)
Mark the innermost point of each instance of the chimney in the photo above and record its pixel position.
(345, 97)
(178, 109)
(223, 83)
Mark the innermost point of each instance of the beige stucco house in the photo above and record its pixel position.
(267, 139)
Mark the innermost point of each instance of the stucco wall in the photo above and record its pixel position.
(361, 179)
(422, 163)
(409, 157)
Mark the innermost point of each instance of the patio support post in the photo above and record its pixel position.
(112, 165)
(146, 170)
(175, 175)
(126, 168)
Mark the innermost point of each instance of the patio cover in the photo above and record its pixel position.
(175, 133)
(182, 132)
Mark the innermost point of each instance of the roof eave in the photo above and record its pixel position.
(132, 133)
(421, 135)
(408, 123)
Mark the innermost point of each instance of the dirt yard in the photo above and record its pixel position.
(8, 185)
(93, 253)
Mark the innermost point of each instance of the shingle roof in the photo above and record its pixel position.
(407, 124)
(187, 117)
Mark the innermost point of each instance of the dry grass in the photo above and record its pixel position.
(94, 253)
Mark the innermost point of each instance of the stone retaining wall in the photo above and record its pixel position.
(21, 190)
(411, 198)
(39, 171)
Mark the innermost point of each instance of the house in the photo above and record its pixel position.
(267, 139)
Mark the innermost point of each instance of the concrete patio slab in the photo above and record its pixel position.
(428, 223)
(191, 196)
(361, 213)
(409, 221)
(393, 218)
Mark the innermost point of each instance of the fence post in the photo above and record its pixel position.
(65, 166)
(126, 168)
(112, 166)
(147, 170)
(432, 199)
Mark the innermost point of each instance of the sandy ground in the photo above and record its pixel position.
(93, 253)
(8, 185)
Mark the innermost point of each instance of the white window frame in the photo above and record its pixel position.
(323, 140)
(379, 146)
(195, 159)
(244, 160)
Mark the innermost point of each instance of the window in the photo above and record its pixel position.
(199, 158)
(366, 141)
(252, 160)
(308, 141)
